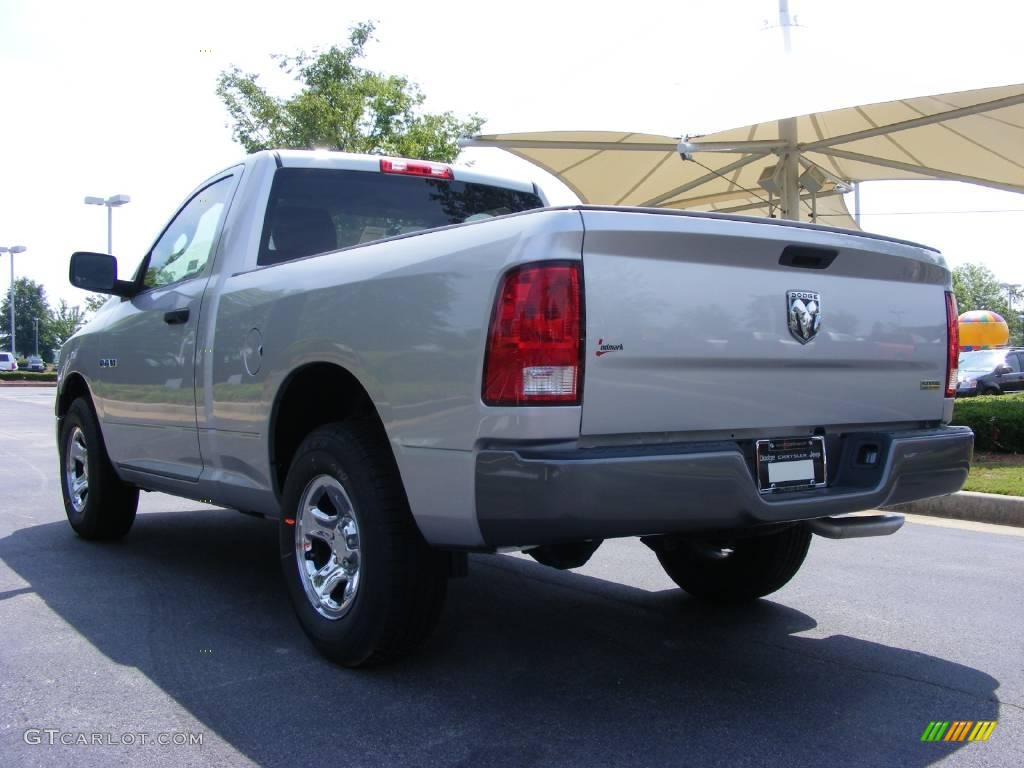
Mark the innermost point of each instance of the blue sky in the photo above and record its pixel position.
(118, 97)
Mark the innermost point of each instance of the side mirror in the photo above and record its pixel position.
(98, 272)
(1002, 370)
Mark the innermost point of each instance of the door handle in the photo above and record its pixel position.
(176, 317)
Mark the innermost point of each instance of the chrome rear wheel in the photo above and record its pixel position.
(365, 586)
(327, 547)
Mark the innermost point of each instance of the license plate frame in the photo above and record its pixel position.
(787, 464)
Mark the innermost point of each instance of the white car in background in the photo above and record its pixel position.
(8, 362)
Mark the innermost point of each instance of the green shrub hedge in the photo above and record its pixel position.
(997, 421)
(28, 376)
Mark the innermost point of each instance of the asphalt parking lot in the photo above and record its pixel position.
(184, 627)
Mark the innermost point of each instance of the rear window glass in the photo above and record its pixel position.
(317, 210)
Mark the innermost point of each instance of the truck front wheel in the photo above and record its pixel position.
(734, 570)
(364, 583)
(98, 504)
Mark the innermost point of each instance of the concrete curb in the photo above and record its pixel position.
(968, 505)
(27, 384)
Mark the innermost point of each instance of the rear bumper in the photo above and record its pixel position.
(528, 495)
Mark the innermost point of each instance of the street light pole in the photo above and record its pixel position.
(112, 202)
(12, 250)
(37, 337)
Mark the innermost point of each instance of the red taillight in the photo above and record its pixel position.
(952, 344)
(535, 342)
(417, 168)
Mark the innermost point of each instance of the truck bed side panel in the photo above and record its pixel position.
(408, 318)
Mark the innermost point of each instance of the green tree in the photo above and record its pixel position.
(29, 304)
(340, 106)
(64, 321)
(94, 301)
(977, 287)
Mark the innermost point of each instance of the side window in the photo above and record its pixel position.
(1013, 361)
(185, 247)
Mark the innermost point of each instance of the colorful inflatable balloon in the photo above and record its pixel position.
(982, 329)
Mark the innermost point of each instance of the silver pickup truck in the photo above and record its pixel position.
(402, 362)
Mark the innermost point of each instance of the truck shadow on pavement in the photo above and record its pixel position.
(529, 666)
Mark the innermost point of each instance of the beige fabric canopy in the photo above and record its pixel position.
(972, 136)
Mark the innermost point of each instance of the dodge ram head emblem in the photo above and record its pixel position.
(804, 311)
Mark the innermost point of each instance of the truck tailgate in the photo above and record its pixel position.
(687, 322)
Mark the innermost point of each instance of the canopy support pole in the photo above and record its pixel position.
(790, 170)
(917, 122)
(922, 171)
(745, 160)
(759, 204)
(595, 146)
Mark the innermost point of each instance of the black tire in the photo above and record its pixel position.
(991, 391)
(106, 508)
(400, 582)
(566, 555)
(755, 567)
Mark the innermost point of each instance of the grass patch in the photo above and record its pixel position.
(997, 473)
